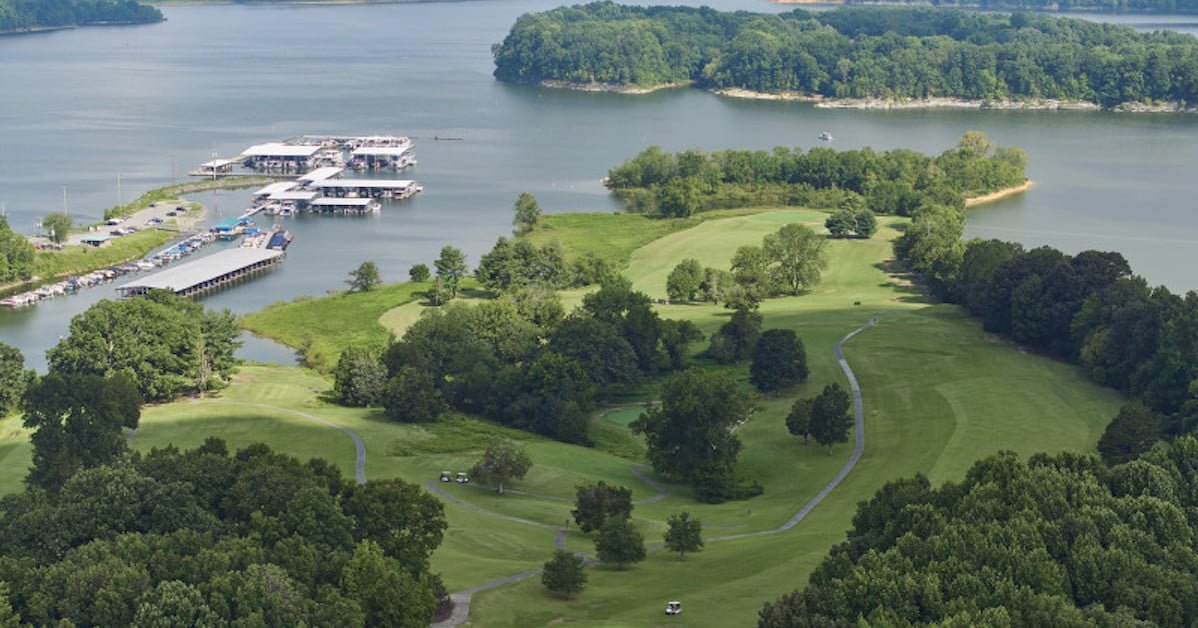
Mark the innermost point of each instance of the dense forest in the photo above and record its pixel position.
(21, 15)
(889, 182)
(1062, 540)
(1117, 6)
(853, 53)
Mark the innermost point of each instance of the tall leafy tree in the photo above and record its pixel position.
(78, 423)
(388, 594)
(364, 278)
(596, 503)
(451, 268)
(683, 534)
(685, 280)
(16, 254)
(502, 462)
(689, 435)
(13, 378)
(798, 257)
(418, 273)
(411, 396)
(619, 543)
(359, 378)
(798, 420)
(57, 226)
(564, 573)
(830, 420)
(779, 361)
(528, 213)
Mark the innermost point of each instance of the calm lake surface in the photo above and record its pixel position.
(82, 106)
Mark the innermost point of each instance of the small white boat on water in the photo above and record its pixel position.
(825, 137)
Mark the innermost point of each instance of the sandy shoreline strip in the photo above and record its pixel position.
(1000, 194)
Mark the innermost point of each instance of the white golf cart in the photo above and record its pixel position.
(462, 479)
(446, 477)
(673, 608)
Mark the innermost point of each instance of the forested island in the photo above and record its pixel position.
(1115, 6)
(860, 56)
(30, 15)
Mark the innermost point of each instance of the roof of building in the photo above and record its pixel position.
(342, 202)
(193, 273)
(320, 174)
(293, 195)
(230, 223)
(363, 183)
(217, 163)
(274, 188)
(279, 149)
(96, 238)
(389, 151)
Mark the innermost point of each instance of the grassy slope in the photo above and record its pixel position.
(939, 393)
(323, 327)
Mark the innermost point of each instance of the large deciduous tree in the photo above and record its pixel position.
(451, 268)
(564, 573)
(528, 213)
(619, 543)
(689, 435)
(364, 278)
(502, 462)
(830, 420)
(411, 396)
(57, 226)
(735, 339)
(797, 256)
(685, 280)
(779, 361)
(596, 503)
(360, 377)
(13, 378)
(78, 423)
(16, 254)
(683, 534)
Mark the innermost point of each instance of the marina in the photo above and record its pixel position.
(309, 153)
(206, 274)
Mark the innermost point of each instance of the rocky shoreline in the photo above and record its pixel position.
(609, 87)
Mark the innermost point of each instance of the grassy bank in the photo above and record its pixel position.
(323, 327)
(175, 192)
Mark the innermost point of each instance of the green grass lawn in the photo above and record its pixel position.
(939, 393)
(81, 259)
(322, 328)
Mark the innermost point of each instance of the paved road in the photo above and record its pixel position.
(360, 459)
(461, 599)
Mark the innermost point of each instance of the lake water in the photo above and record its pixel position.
(82, 106)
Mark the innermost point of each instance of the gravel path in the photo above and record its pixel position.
(360, 459)
(461, 599)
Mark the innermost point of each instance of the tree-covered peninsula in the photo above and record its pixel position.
(888, 54)
(28, 15)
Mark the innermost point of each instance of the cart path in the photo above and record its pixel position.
(359, 447)
(461, 599)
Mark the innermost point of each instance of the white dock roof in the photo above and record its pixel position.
(218, 163)
(363, 183)
(279, 149)
(342, 202)
(193, 273)
(293, 195)
(275, 188)
(320, 174)
(381, 151)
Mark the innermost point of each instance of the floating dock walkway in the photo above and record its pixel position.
(206, 274)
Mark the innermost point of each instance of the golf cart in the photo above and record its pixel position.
(673, 608)
(445, 477)
(462, 479)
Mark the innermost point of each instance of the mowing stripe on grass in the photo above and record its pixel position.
(360, 458)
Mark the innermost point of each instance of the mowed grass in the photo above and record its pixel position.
(324, 327)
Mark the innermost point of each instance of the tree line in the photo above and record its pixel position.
(889, 182)
(900, 53)
(518, 359)
(17, 15)
(1087, 308)
(1115, 6)
(1060, 540)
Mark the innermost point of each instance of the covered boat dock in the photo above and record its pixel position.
(206, 274)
